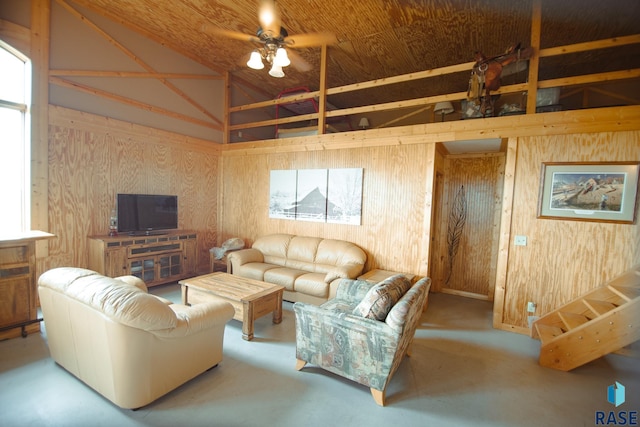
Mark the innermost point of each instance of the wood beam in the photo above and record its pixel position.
(404, 116)
(226, 133)
(467, 66)
(627, 99)
(591, 78)
(595, 120)
(132, 102)
(269, 102)
(40, 33)
(89, 4)
(322, 99)
(534, 61)
(504, 241)
(422, 266)
(137, 60)
(592, 45)
(132, 74)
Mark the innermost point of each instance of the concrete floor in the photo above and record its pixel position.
(462, 373)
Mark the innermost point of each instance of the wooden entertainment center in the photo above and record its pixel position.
(155, 258)
(18, 287)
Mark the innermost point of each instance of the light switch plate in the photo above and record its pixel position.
(521, 241)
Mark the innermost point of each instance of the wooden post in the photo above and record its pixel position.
(534, 62)
(322, 100)
(500, 289)
(429, 203)
(40, 27)
(226, 136)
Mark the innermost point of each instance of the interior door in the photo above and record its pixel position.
(470, 207)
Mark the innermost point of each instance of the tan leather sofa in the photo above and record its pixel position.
(309, 268)
(128, 345)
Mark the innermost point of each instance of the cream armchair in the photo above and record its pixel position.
(130, 346)
(364, 332)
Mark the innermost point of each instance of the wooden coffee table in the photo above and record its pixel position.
(250, 298)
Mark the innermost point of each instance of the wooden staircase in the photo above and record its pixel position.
(600, 322)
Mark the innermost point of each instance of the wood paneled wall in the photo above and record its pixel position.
(92, 158)
(563, 259)
(393, 205)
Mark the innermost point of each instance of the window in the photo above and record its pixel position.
(15, 147)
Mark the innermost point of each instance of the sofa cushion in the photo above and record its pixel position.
(283, 276)
(301, 253)
(312, 284)
(338, 253)
(274, 248)
(378, 301)
(254, 270)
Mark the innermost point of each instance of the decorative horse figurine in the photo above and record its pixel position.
(486, 73)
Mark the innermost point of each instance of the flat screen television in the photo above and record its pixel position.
(146, 213)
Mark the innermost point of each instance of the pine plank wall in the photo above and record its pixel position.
(223, 193)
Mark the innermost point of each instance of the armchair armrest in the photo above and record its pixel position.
(244, 256)
(134, 281)
(198, 317)
(346, 271)
(353, 290)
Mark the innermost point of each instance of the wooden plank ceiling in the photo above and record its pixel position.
(383, 38)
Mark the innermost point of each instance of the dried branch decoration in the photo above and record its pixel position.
(457, 220)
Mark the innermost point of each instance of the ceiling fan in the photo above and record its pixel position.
(274, 40)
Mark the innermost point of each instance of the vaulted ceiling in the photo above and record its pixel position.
(383, 38)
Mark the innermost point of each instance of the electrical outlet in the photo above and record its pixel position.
(531, 307)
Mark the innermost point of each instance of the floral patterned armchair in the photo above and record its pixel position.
(364, 332)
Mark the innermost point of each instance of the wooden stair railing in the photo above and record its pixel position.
(597, 323)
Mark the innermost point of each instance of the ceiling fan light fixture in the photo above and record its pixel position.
(281, 59)
(255, 61)
(276, 71)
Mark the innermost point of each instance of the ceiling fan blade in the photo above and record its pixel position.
(311, 39)
(298, 62)
(269, 18)
(210, 29)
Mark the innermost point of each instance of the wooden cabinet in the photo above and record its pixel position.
(190, 257)
(18, 286)
(155, 259)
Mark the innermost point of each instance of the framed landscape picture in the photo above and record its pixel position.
(597, 191)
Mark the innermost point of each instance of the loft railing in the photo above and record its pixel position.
(530, 87)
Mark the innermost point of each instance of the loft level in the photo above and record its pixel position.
(416, 109)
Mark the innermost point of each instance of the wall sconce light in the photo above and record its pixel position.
(364, 123)
(443, 108)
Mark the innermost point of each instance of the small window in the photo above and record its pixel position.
(15, 146)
